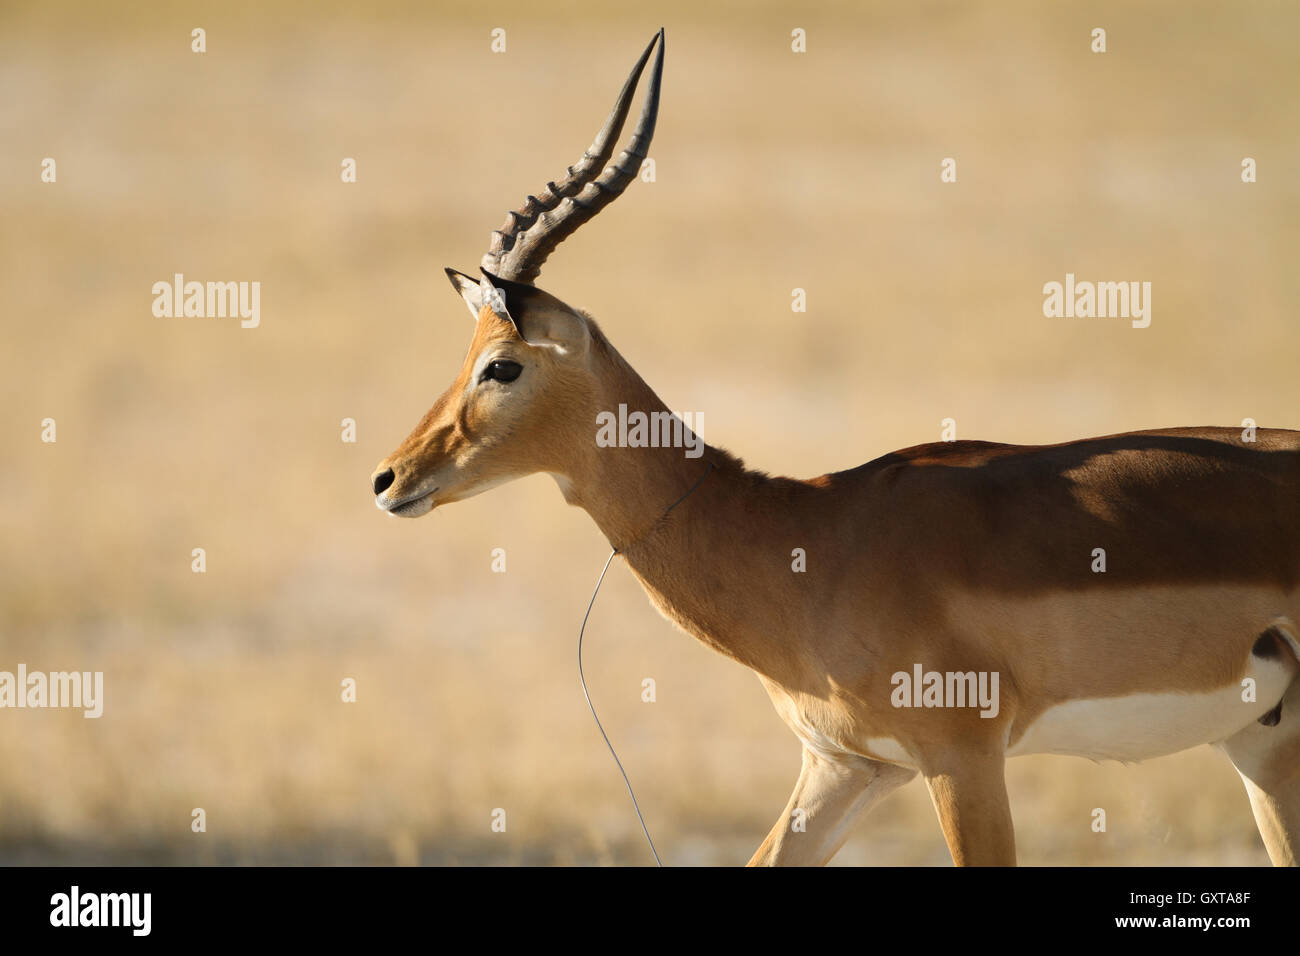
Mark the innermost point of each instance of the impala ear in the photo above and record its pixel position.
(539, 317)
(469, 290)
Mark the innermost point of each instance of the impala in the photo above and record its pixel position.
(964, 558)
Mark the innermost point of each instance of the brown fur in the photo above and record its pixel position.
(961, 556)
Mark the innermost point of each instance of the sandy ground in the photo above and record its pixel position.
(773, 171)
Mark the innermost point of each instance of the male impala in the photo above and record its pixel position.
(963, 565)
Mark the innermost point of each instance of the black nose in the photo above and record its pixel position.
(383, 480)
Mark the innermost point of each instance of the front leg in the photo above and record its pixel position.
(832, 793)
(970, 795)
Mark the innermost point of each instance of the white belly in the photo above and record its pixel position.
(1142, 726)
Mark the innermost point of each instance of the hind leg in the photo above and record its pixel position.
(1268, 760)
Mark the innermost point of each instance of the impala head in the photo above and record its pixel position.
(529, 386)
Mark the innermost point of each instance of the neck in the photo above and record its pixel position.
(628, 491)
(675, 519)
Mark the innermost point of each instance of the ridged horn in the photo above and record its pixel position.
(531, 233)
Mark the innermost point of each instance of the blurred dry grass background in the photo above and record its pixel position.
(774, 171)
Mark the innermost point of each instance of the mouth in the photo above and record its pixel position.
(411, 507)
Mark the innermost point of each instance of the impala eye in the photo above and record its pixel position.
(503, 370)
